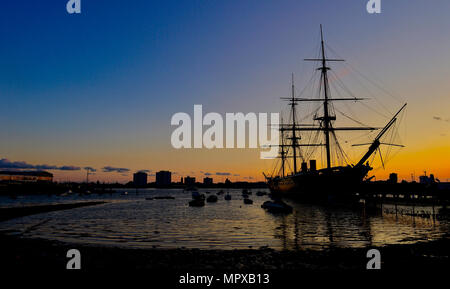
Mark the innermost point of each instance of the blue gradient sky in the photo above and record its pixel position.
(99, 89)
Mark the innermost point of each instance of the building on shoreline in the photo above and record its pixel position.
(393, 178)
(140, 179)
(163, 178)
(427, 179)
(207, 181)
(189, 181)
(26, 176)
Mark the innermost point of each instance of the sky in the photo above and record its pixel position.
(98, 89)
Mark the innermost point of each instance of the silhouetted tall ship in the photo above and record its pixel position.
(338, 182)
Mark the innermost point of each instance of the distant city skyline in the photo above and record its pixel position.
(97, 90)
(176, 176)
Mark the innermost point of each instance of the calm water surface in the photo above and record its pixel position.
(132, 221)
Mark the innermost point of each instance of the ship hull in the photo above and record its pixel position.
(335, 184)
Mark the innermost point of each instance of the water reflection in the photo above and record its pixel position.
(318, 227)
(132, 221)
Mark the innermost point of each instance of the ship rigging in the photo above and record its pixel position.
(332, 179)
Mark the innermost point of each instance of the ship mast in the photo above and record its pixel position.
(325, 121)
(283, 152)
(294, 137)
(326, 118)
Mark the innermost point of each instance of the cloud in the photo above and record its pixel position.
(7, 164)
(69, 168)
(223, 174)
(144, 171)
(236, 175)
(90, 169)
(208, 174)
(45, 167)
(109, 169)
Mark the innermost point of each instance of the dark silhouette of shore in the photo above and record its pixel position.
(16, 212)
(34, 254)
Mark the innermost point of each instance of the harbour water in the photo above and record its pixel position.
(129, 220)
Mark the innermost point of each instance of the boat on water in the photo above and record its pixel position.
(248, 201)
(198, 200)
(277, 207)
(196, 195)
(339, 179)
(211, 199)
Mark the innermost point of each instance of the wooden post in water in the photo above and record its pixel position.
(434, 215)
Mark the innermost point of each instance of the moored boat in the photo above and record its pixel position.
(248, 201)
(277, 207)
(211, 199)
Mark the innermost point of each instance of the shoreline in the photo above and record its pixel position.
(31, 254)
(19, 253)
(17, 212)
